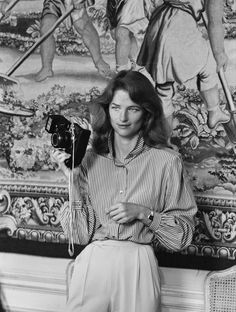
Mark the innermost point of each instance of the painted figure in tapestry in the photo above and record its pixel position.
(128, 21)
(52, 11)
(174, 50)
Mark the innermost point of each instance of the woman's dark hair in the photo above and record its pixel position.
(142, 92)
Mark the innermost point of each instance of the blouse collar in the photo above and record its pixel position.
(138, 148)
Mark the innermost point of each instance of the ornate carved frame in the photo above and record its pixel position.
(30, 212)
(215, 233)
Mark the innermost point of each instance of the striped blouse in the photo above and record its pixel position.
(149, 176)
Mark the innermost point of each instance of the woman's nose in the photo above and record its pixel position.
(123, 115)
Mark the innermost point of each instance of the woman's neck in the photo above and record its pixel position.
(123, 146)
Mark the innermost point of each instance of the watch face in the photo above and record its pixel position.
(151, 216)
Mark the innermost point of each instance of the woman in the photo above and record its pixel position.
(130, 190)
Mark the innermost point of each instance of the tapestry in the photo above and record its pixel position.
(32, 189)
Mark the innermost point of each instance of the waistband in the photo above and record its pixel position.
(119, 243)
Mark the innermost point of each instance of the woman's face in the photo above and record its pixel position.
(126, 116)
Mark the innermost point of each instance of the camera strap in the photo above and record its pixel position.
(71, 191)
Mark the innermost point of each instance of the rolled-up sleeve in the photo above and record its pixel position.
(173, 224)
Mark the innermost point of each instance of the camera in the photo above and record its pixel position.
(69, 137)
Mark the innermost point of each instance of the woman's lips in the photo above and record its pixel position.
(123, 126)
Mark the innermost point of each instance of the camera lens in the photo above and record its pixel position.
(61, 140)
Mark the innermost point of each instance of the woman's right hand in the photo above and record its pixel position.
(59, 156)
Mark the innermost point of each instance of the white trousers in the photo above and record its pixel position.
(115, 276)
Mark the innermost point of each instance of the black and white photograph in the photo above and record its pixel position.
(117, 155)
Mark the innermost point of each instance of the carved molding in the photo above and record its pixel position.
(215, 251)
(7, 222)
(31, 212)
(215, 231)
(5, 201)
(34, 188)
(40, 235)
(214, 201)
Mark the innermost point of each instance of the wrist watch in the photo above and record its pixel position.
(150, 216)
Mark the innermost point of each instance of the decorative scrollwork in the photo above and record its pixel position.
(221, 225)
(7, 222)
(33, 213)
(37, 211)
(5, 201)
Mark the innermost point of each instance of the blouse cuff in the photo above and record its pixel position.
(154, 225)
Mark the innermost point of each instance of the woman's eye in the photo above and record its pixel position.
(115, 107)
(134, 109)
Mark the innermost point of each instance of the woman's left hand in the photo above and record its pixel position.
(82, 122)
(126, 212)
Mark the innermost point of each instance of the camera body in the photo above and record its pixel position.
(69, 137)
